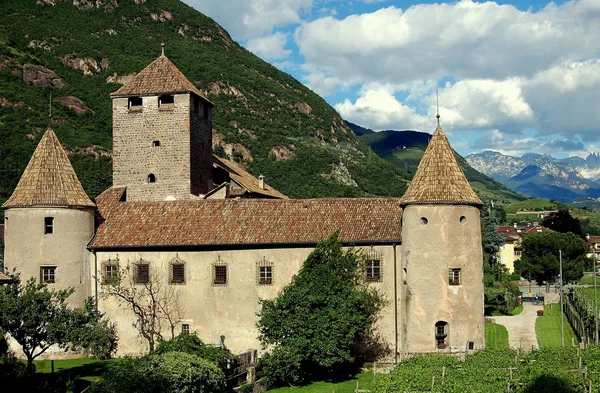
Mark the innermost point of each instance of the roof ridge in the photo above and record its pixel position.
(49, 179)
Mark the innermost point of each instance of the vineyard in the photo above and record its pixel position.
(546, 370)
(580, 310)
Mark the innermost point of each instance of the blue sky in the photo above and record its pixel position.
(513, 76)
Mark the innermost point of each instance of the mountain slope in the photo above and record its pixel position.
(405, 149)
(81, 51)
(537, 175)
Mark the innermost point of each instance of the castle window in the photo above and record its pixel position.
(220, 274)
(424, 220)
(470, 345)
(155, 143)
(110, 272)
(151, 178)
(185, 328)
(264, 272)
(373, 266)
(441, 335)
(463, 220)
(48, 225)
(206, 112)
(177, 273)
(166, 102)
(142, 273)
(48, 274)
(196, 104)
(134, 103)
(454, 276)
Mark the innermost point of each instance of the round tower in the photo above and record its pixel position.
(442, 256)
(49, 221)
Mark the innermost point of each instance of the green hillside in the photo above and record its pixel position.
(263, 117)
(405, 149)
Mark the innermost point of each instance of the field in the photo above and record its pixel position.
(548, 330)
(365, 381)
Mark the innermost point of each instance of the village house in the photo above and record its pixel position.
(222, 239)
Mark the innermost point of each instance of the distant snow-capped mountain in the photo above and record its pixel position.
(538, 175)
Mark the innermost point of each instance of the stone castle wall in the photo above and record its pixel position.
(182, 155)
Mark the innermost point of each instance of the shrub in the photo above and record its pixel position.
(191, 343)
(170, 372)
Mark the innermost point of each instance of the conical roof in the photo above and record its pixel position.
(439, 179)
(159, 77)
(49, 179)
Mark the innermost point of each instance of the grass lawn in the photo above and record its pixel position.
(588, 279)
(547, 328)
(496, 336)
(45, 366)
(517, 310)
(365, 381)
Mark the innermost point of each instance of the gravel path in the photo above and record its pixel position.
(521, 328)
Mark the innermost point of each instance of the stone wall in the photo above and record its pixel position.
(180, 162)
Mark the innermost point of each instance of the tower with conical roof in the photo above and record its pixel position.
(162, 136)
(442, 256)
(49, 220)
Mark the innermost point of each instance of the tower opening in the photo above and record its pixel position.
(151, 178)
(134, 103)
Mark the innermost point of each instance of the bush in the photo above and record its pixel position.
(170, 372)
(190, 343)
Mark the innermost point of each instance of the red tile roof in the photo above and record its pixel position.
(245, 179)
(243, 221)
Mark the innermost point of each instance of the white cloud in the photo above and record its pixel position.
(269, 47)
(464, 39)
(245, 19)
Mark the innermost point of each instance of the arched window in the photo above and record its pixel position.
(441, 335)
(151, 178)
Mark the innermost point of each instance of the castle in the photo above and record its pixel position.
(221, 239)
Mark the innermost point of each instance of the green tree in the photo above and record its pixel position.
(315, 322)
(37, 318)
(191, 343)
(562, 221)
(540, 256)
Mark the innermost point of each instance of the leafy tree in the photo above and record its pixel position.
(153, 303)
(169, 372)
(540, 256)
(316, 321)
(562, 221)
(37, 318)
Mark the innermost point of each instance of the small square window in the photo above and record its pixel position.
(454, 276)
(48, 274)
(185, 328)
(166, 100)
(135, 103)
(178, 273)
(48, 225)
(142, 273)
(373, 270)
(155, 143)
(110, 272)
(220, 274)
(265, 275)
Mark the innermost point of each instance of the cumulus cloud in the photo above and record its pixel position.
(464, 39)
(245, 19)
(269, 47)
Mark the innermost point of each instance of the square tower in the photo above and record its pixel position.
(162, 136)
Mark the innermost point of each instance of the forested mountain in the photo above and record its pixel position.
(405, 149)
(82, 50)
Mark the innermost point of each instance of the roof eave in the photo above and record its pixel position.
(116, 94)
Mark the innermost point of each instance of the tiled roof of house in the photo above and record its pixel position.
(159, 77)
(5, 277)
(509, 231)
(49, 179)
(243, 221)
(245, 179)
(439, 179)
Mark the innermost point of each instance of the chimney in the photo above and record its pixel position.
(261, 182)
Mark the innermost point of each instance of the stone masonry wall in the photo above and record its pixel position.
(135, 157)
(201, 149)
